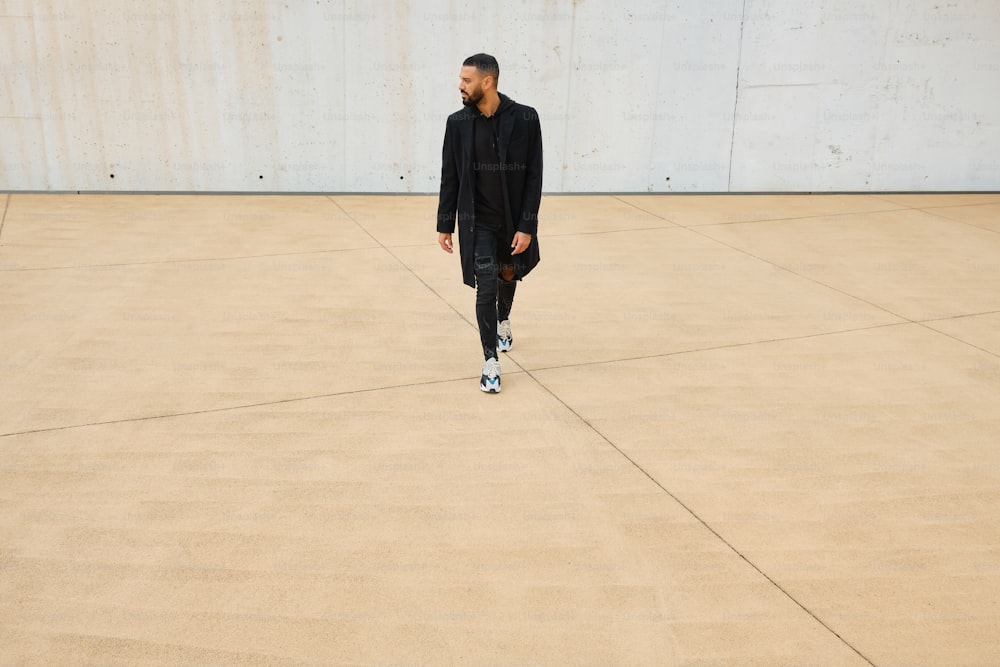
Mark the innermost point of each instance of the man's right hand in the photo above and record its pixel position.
(444, 240)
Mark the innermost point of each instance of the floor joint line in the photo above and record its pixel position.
(906, 320)
(730, 346)
(698, 518)
(160, 262)
(233, 408)
(3, 220)
(930, 211)
(957, 339)
(694, 230)
(402, 263)
(957, 317)
(750, 222)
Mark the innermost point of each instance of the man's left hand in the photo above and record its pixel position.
(520, 244)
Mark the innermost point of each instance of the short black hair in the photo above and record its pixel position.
(485, 63)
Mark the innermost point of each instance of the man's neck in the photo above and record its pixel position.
(489, 104)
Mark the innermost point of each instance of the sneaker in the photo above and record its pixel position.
(490, 381)
(505, 339)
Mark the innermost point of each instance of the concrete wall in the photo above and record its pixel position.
(346, 95)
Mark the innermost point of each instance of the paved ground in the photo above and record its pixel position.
(751, 430)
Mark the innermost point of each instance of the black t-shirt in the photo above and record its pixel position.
(486, 165)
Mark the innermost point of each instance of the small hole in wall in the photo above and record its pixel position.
(261, 176)
(112, 175)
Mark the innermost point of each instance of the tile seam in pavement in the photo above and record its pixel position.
(728, 346)
(694, 230)
(402, 263)
(906, 320)
(633, 462)
(927, 326)
(792, 219)
(669, 225)
(159, 262)
(247, 406)
(969, 205)
(3, 220)
(387, 249)
(958, 317)
(523, 371)
(930, 211)
(697, 517)
(750, 222)
(653, 356)
(921, 208)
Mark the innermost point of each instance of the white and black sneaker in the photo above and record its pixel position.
(505, 339)
(490, 382)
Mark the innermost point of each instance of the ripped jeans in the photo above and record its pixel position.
(494, 295)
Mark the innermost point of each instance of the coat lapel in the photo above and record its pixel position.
(504, 132)
(466, 131)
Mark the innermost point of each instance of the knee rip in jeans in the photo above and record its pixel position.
(507, 273)
(486, 269)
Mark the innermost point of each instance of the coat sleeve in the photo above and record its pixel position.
(448, 197)
(532, 199)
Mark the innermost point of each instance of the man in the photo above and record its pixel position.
(491, 181)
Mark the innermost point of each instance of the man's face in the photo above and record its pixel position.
(470, 85)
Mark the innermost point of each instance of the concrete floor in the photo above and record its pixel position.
(753, 430)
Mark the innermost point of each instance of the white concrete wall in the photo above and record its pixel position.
(346, 95)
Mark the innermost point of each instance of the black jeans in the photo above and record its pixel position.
(494, 295)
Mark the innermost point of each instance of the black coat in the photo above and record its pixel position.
(520, 149)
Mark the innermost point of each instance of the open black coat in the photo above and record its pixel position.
(519, 147)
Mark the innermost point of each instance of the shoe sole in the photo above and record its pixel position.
(490, 387)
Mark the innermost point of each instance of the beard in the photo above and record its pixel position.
(472, 99)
